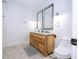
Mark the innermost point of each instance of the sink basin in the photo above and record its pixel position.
(44, 33)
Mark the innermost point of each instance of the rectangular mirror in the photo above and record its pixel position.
(39, 20)
(48, 18)
(45, 18)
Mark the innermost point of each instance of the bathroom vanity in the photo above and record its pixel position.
(43, 42)
(42, 39)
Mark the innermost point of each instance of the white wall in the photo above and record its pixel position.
(16, 32)
(74, 20)
(62, 22)
(16, 24)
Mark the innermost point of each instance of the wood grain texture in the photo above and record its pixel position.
(44, 43)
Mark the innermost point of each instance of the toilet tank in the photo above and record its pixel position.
(65, 43)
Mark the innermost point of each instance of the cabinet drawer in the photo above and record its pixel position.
(42, 36)
(34, 34)
(41, 41)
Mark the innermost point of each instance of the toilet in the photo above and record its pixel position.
(63, 51)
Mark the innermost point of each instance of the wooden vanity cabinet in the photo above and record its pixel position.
(44, 43)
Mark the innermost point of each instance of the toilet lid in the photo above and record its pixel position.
(62, 51)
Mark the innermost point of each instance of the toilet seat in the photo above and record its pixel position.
(62, 52)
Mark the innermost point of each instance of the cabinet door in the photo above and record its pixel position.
(42, 48)
(33, 41)
(50, 44)
(42, 44)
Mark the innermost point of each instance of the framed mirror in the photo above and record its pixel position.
(39, 20)
(48, 18)
(45, 18)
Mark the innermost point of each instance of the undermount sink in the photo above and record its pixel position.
(45, 32)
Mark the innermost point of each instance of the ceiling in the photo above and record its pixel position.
(30, 4)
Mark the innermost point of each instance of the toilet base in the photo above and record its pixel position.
(55, 56)
(64, 58)
(61, 57)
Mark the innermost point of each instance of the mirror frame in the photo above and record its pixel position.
(43, 18)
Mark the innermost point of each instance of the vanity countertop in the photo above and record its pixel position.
(44, 33)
